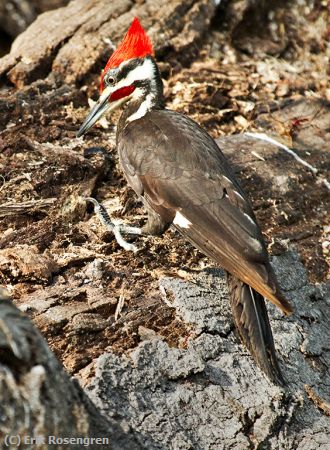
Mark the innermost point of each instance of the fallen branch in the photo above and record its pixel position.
(12, 209)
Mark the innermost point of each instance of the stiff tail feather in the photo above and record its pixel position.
(251, 319)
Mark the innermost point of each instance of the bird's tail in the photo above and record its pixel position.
(251, 319)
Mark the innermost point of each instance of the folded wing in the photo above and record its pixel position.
(186, 176)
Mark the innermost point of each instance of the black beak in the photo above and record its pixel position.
(100, 107)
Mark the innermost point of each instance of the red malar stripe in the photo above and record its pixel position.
(123, 92)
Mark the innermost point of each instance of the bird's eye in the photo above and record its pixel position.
(110, 80)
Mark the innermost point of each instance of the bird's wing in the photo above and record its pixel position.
(178, 167)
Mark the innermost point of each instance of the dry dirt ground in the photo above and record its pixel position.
(85, 293)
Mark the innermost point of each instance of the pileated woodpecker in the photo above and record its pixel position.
(184, 180)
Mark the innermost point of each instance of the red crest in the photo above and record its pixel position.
(135, 44)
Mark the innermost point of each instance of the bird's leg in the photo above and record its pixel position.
(155, 225)
(117, 230)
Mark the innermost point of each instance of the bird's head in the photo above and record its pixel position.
(130, 74)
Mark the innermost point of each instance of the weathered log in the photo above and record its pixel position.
(39, 405)
(71, 41)
(210, 394)
(16, 15)
(22, 208)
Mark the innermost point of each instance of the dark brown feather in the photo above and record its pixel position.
(252, 322)
(177, 166)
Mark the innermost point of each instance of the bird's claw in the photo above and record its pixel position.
(117, 230)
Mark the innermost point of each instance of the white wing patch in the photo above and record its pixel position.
(181, 221)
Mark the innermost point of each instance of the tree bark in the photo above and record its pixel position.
(38, 399)
(17, 15)
(71, 41)
(165, 370)
(209, 395)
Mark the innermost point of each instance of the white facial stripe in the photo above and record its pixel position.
(181, 221)
(143, 108)
(144, 71)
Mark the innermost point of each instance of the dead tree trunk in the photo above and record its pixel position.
(39, 402)
(189, 384)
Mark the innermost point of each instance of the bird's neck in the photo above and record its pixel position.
(147, 96)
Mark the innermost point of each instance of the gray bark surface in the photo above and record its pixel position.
(189, 384)
(37, 396)
(207, 396)
(211, 395)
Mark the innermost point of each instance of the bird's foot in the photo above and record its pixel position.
(118, 229)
